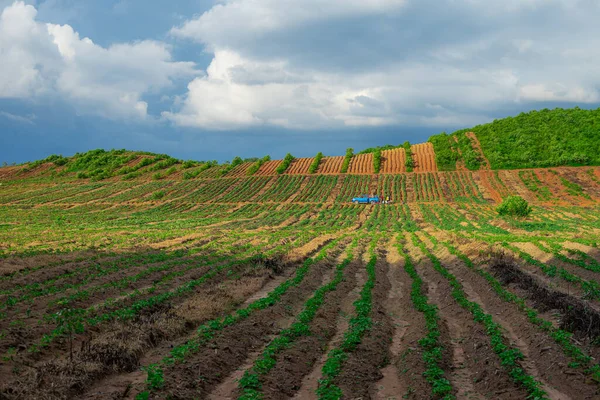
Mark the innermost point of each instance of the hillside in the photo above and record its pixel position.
(137, 275)
(546, 138)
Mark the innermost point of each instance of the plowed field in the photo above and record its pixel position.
(269, 168)
(424, 157)
(277, 287)
(299, 166)
(361, 164)
(393, 161)
(330, 165)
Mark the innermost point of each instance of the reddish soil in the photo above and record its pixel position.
(269, 167)
(393, 161)
(424, 157)
(299, 166)
(361, 164)
(330, 165)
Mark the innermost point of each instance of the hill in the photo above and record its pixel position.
(137, 275)
(546, 138)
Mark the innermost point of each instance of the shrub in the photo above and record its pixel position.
(377, 160)
(157, 176)
(445, 155)
(188, 164)
(285, 164)
(256, 166)
(158, 195)
(346, 163)
(514, 206)
(409, 163)
(314, 166)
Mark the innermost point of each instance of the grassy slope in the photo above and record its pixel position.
(544, 138)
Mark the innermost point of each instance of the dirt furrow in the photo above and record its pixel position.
(361, 370)
(403, 377)
(310, 382)
(541, 353)
(476, 370)
(206, 369)
(297, 362)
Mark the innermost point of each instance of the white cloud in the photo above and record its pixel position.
(243, 18)
(317, 63)
(44, 58)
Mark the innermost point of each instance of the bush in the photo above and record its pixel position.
(314, 166)
(514, 206)
(158, 195)
(346, 163)
(445, 154)
(409, 163)
(285, 164)
(157, 176)
(377, 160)
(256, 166)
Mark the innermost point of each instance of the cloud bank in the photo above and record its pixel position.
(44, 60)
(317, 64)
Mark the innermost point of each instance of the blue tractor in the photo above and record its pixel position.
(365, 199)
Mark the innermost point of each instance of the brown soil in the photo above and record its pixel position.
(330, 165)
(232, 347)
(296, 363)
(488, 191)
(541, 351)
(269, 167)
(299, 166)
(403, 377)
(361, 164)
(310, 381)
(393, 161)
(361, 370)
(424, 157)
(476, 370)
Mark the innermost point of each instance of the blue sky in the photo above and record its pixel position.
(212, 79)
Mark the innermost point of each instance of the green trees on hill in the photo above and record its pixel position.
(285, 164)
(314, 166)
(445, 153)
(542, 138)
(347, 158)
(256, 166)
(545, 138)
(377, 160)
(409, 163)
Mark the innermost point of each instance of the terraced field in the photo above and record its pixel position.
(276, 286)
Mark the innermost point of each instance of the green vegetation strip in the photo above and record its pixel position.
(207, 331)
(432, 347)
(377, 160)
(560, 336)
(256, 166)
(509, 356)
(359, 325)
(347, 158)
(409, 163)
(250, 383)
(314, 166)
(285, 164)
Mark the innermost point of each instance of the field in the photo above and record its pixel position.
(207, 282)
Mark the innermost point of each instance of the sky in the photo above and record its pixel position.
(214, 79)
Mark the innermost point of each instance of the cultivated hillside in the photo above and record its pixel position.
(137, 275)
(546, 138)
